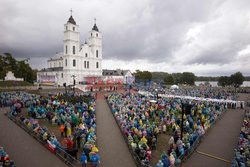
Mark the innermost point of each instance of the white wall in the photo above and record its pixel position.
(55, 63)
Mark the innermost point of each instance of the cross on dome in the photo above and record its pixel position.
(71, 11)
(95, 28)
(71, 19)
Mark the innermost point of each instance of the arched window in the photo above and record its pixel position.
(97, 65)
(86, 54)
(74, 63)
(74, 50)
(96, 34)
(66, 49)
(96, 53)
(66, 62)
(84, 64)
(73, 28)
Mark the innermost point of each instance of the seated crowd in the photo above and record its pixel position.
(242, 151)
(5, 160)
(142, 119)
(75, 118)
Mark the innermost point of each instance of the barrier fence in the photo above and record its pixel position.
(59, 152)
(187, 152)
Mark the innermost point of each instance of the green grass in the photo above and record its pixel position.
(14, 83)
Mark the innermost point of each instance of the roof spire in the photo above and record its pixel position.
(95, 27)
(71, 19)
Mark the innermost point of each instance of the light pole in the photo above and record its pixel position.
(182, 114)
(64, 84)
(74, 83)
(185, 109)
(129, 89)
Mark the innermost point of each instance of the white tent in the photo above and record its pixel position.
(152, 101)
(238, 103)
(144, 93)
(174, 87)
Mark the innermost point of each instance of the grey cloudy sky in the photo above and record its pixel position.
(205, 37)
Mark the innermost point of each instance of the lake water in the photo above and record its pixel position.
(215, 83)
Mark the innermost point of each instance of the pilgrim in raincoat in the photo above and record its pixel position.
(95, 159)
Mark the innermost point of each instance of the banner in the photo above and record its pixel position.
(47, 78)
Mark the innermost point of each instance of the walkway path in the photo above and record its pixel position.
(220, 141)
(22, 148)
(113, 149)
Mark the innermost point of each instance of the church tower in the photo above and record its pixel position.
(95, 43)
(77, 61)
(71, 43)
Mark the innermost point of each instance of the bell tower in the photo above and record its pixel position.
(71, 41)
(95, 43)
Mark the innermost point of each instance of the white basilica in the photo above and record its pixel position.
(77, 60)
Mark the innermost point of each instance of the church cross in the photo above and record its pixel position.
(71, 11)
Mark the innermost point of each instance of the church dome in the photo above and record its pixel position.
(95, 28)
(71, 20)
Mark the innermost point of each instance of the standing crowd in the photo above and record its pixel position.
(142, 119)
(242, 151)
(5, 160)
(205, 92)
(76, 121)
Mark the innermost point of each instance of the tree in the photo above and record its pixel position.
(146, 75)
(188, 78)
(237, 79)
(2, 69)
(224, 81)
(158, 75)
(169, 79)
(164, 76)
(177, 78)
(21, 69)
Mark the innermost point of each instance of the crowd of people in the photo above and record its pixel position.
(242, 151)
(205, 92)
(76, 121)
(142, 119)
(5, 160)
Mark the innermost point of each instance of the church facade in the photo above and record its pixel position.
(77, 61)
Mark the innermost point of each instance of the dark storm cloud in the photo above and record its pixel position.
(219, 40)
(157, 30)
(218, 55)
(163, 31)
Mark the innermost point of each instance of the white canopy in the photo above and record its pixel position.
(174, 87)
(203, 99)
(144, 93)
(152, 101)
